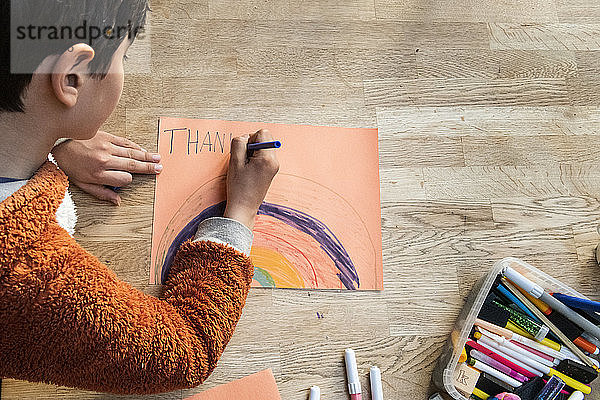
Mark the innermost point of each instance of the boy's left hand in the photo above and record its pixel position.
(104, 160)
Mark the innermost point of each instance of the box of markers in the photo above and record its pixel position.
(525, 333)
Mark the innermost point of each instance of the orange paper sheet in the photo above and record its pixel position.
(320, 224)
(261, 386)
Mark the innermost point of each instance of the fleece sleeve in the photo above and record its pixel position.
(70, 321)
(226, 231)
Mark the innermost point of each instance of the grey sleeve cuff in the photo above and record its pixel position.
(226, 231)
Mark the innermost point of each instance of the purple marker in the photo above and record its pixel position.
(264, 145)
(497, 365)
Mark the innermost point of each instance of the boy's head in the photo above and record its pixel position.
(61, 61)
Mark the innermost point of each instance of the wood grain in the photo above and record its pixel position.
(468, 11)
(488, 114)
(466, 91)
(507, 36)
(473, 121)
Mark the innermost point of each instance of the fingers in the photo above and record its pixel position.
(114, 178)
(140, 155)
(100, 192)
(133, 166)
(124, 142)
(266, 157)
(239, 150)
(262, 135)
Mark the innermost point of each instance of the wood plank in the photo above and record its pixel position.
(291, 10)
(105, 222)
(503, 182)
(289, 92)
(178, 10)
(399, 184)
(348, 65)
(530, 150)
(587, 238)
(390, 93)
(488, 120)
(455, 214)
(495, 64)
(584, 87)
(471, 11)
(363, 315)
(578, 11)
(506, 36)
(344, 34)
(421, 151)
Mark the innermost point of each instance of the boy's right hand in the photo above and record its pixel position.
(249, 178)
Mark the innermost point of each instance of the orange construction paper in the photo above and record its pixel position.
(320, 224)
(257, 386)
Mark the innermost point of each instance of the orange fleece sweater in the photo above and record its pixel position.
(66, 319)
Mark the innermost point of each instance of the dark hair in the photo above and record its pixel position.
(65, 16)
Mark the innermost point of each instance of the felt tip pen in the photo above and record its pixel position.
(585, 359)
(315, 393)
(576, 302)
(501, 358)
(493, 372)
(539, 293)
(275, 144)
(595, 341)
(376, 388)
(506, 293)
(563, 354)
(538, 353)
(476, 354)
(510, 357)
(533, 365)
(516, 349)
(543, 307)
(352, 374)
(515, 337)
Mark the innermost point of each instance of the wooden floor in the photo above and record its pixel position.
(489, 121)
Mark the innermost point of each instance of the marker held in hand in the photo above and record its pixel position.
(275, 144)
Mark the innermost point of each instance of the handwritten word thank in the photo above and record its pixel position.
(198, 142)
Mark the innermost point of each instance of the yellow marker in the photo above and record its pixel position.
(567, 379)
(546, 342)
(480, 394)
(571, 382)
(463, 356)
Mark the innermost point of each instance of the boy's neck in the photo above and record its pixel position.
(24, 145)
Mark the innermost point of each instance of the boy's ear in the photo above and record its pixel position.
(69, 73)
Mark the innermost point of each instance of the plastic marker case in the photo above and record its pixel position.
(443, 373)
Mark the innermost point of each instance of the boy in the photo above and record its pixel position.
(65, 318)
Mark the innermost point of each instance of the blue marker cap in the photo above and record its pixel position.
(264, 145)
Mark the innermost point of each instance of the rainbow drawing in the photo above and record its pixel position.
(320, 224)
(272, 268)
